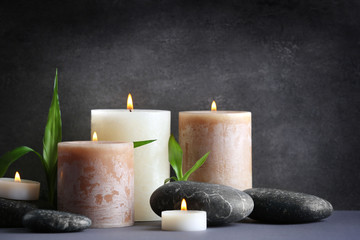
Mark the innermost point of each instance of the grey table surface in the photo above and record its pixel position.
(341, 225)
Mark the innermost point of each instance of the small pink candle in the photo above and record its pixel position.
(96, 179)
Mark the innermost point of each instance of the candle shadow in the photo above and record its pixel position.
(228, 225)
(15, 230)
(150, 225)
(28, 231)
(252, 221)
(249, 220)
(153, 229)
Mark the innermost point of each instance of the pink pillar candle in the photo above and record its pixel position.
(96, 179)
(227, 135)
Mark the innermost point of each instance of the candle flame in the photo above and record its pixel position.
(213, 106)
(94, 137)
(183, 205)
(17, 177)
(130, 105)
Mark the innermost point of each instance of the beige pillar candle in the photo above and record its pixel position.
(96, 179)
(227, 135)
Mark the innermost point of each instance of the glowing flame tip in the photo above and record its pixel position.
(130, 105)
(213, 106)
(17, 177)
(94, 137)
(183, 205)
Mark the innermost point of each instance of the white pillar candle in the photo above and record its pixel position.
(20, 189)
(151, 165)
(227, 135)
(183, 220)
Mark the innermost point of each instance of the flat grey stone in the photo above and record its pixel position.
(55, 221)
(223, 204)
(12, 212)
(281, 206)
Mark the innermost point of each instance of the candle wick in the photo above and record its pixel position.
(130, 110)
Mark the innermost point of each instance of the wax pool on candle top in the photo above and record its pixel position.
(227, 135)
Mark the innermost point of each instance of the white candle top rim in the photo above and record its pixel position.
(182, 211)
(132, 111)
(215, 112)
(23, 181)
(92, 143)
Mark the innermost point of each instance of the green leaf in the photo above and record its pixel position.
(168, 179)
(175, 157)
(52, 133)
(198, 164)
(8, 158)
(141, 143)
(52, 137)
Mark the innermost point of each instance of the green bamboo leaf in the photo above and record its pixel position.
(141, 143)
(8, 158)
(175, 157)
(198, 164)
(52, 137)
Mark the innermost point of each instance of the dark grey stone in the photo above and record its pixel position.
(42, 204)
(281, 206)
(12, 212)
(223, 204)
(55, 221)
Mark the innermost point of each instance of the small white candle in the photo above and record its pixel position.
(17, 189)
(183, 220)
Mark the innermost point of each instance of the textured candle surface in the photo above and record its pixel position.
(96, 179)
(227, 135)
(151, 163)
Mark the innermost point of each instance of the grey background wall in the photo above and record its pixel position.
(294, 64)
